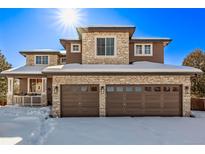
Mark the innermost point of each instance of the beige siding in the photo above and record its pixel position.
(89, 48)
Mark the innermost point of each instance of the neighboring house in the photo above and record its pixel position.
(106, 72)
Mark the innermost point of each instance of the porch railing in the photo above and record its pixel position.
(27, 100)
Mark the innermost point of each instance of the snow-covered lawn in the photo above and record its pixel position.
(19, 125)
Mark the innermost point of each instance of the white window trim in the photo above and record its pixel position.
(143, 49)
(41, 56)
(61, 60)
(72, 44)
(28, 85)
(115, 46)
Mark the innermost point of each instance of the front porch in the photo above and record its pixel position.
(29, 91)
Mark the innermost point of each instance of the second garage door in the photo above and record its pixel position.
(143, 100)
(79, 100)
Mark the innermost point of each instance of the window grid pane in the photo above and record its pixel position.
(75, 47)
(45, 60)
(110, 46)
(147, 49)
(138, 49)
(100, 46)
(38, 59)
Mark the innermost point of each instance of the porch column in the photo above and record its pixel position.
(10, 91)
(44, 92)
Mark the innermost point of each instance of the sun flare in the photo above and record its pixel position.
(69, 18)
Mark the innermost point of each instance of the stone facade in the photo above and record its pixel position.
(89, 48)
(53, 59)
(102, 80)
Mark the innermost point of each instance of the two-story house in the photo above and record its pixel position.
(106, 72)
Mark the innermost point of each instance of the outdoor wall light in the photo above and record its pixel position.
(56, 89)
(186, 89)
(102, 89)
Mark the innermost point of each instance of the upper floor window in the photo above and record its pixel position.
(105, 46)
(63, 60)
(75, 48)
(143, 50)
(41, 59)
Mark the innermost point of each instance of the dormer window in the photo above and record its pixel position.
(75, 48)
(41, 60)
(143, 50)
(105, 46)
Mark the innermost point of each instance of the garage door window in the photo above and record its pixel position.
(110, 89)
(157, 89)
(93, 88)
(138, 89)
(175, 89)
(128, 89)
(84, 88)
(119, 89)
(148, 89)
(166, 89)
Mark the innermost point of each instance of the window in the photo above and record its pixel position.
(147, 49)
(175, 89)
(41, 59)
(166, 89)
(63, 60)
(138, 89)
(75, 48)
(128, 89)
(139, 49)
(84, 88)
(35, 85)
(110, 89)
(93, 88)
(119, 89)
(157, 89)
(148, 89)
(143, 50)
(105, 46)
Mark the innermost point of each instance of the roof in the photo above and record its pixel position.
(47, 51)
(166, 40)
(136, 67)
(25, 70)
(106, 28)
(64, 41)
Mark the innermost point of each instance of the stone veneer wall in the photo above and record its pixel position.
(120, 79)
(53, 59)
(89, 48)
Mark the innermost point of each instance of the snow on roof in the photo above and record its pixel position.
(107, 26)
(151, 38)
(23, 70)
(41, 50)
(63, 52)
(136, 67)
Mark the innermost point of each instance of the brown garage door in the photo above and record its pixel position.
(143, 100)
(79, 100)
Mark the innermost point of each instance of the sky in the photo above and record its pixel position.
(25, 29)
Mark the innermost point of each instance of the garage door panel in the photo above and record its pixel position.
(79, 100)
(147, 100)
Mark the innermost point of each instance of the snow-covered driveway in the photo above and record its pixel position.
(32, 126)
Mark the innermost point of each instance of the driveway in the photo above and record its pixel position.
(138, 130)
(33, 126)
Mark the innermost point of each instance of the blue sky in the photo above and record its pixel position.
(22, 29)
